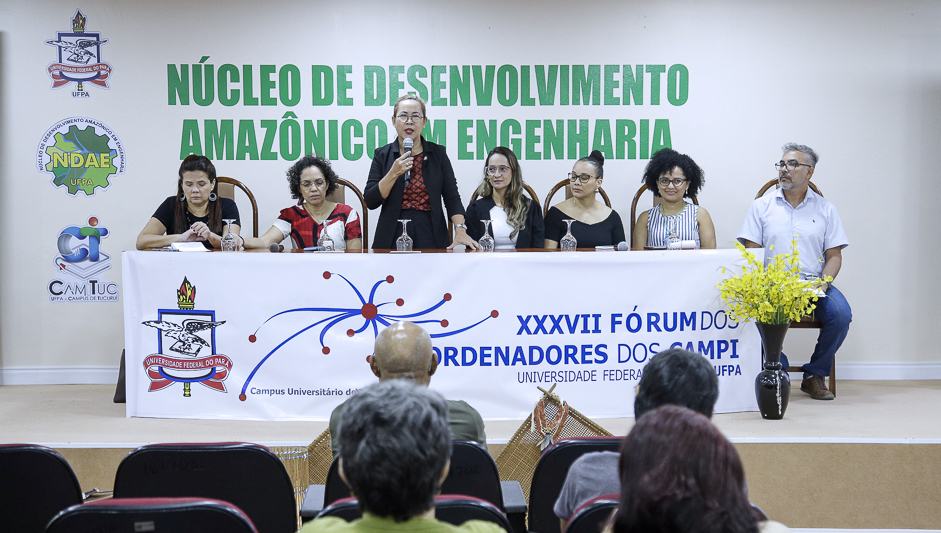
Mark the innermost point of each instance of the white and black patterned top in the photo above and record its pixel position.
(658, 226)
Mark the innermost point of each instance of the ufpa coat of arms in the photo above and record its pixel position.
(79, 58)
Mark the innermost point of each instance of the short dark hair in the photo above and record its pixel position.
(680, 474)
(294, 174)
(680, 377)
(666, 160)
(394, 444)
(596, 159)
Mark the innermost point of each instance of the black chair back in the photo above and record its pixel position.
(335, 489)
(35, 484)
(247, 475)
(345, 508)
(160, 515)
(549, 476)
(456, 509)
(592, 516)
(473, 473)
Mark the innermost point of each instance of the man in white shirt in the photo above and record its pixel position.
(795, 212)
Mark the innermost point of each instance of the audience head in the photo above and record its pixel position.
(680, 377)
(403, 351)
(679, 474)
(395, 447)
(308, 161)
(665, 163)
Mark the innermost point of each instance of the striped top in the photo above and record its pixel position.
(658, 226)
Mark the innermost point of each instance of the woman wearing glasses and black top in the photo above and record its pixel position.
(673, 177)
(411, 184)
(515, 219)
(595, 223)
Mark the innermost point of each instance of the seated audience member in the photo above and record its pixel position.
(395, 450)
(403, 351)
(515, 219)
(311, 179)
(195, 213)
(679, 474)
(672, 376)
(595, 223)
(673, 177)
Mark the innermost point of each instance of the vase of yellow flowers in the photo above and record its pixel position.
(773, 295)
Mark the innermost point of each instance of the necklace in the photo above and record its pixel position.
(662, 212)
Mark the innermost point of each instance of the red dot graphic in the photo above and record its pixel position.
(494, 313)
(325, 350)
(369, 311)
(252, 338)
(400, 302)
(326, 275)
(447, 296)
(350, 333)
(93, 221)
(389, 279)
(242, 397)
(444, 323)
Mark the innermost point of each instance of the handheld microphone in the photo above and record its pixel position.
(623, 246)
(275, 247)
(407, 145)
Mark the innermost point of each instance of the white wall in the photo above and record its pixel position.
(858, 81)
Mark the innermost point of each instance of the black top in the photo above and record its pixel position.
(532, 235)
(608, 232)
(164, 214)
(439, 180)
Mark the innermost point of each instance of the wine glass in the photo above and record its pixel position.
(486, 242)
(404, 243)
(568, 242)
(230, 241)
(325, 243)
(673, 238)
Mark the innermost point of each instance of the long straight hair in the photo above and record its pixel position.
(199, 163)
(515, 203)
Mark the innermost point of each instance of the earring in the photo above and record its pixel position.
(212, 197)
(182, 197)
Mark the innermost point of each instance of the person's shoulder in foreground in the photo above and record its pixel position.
(372, 523)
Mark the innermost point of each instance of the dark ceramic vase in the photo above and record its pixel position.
(772, 386)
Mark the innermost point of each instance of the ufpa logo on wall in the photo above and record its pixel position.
(81, 154)
(185, 332)
(80, 264)
(79, 59)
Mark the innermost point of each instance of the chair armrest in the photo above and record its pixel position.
(313, 502)
(515, 505)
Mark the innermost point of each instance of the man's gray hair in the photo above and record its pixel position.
(394, 444)
(804, 149)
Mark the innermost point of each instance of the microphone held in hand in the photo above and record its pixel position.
(407, 145)
(275, 247)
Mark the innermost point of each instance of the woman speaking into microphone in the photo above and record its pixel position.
(410, 184)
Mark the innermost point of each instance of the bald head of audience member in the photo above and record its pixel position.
(677, 377)
(403, 351)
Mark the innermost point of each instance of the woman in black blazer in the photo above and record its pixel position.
(416, 196)
(515, 219)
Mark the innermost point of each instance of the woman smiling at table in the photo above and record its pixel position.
(311, 179)
(411, 184)
(195, 213)
(674, 176)
(595, 223)
(516, 220)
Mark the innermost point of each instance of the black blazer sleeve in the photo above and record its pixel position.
(536, 225)
(472, 217)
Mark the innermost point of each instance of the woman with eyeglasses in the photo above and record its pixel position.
(595, 223)
(515, 219)
(411, 184)
(311, 179)
(673, 176)
(195, 213)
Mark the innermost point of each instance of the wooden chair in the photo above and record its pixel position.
(226, 188)
(807, 322)
(640, 192)
(339, 196)
(568, 194)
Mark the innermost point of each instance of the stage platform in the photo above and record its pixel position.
(871, 459)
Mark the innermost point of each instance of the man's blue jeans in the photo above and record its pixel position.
(835, 315)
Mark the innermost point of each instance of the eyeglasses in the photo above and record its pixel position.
(493, 171)
(791, 165)
(581, 178)
(318, 183)
(677, 182)
(404, 117)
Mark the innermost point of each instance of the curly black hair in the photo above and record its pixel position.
(294, 174)
(666, 160)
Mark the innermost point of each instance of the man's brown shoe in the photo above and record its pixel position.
(816, 388)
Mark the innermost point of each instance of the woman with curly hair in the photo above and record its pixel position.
(515, 219)
(311, 179)
(673, 176)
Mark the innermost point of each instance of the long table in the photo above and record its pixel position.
(266, 336)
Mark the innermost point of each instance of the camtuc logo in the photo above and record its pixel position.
(80, 263)
(81, 154)
(187, 331)
(79, 59)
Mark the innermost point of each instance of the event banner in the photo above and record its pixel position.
(262, 336)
